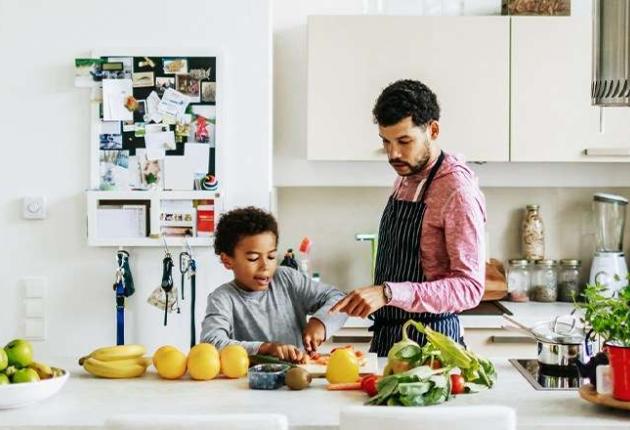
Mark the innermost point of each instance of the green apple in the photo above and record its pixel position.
(20, 352)
(4, 360)
(25, 375)
(4, 379)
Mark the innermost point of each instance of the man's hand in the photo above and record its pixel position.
(283, 352)
(361, 302)
(314, 335)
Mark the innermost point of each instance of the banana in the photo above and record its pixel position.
(43, 370)
(129, 368)
(114, 353)
(57, 372)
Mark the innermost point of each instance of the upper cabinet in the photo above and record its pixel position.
(552, 118)
(464, 60)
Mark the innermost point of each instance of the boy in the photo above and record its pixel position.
(264, 308)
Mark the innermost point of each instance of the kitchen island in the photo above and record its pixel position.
(86, 402)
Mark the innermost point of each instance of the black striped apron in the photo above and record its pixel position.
(398, 260)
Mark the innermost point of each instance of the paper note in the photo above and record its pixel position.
(152, 108)
(158, 143)
(173, 103)
(115, 93)
(206, 111)
(179, 171)
(110, 127)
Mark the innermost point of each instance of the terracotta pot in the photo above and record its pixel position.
(620, 367)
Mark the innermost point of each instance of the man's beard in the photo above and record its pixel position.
(414, 168)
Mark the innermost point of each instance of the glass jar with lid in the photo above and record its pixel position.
(532, 234)
(569, 280)
(544, 285)
(518, 280)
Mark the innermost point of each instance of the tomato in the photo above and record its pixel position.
(369, 385)
(437, 364)
(457, 384)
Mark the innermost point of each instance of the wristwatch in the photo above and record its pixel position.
(387, 292)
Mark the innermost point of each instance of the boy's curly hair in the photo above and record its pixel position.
(239, 223)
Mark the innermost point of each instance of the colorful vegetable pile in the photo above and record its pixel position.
(427, 375)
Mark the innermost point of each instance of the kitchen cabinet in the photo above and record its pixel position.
(464, 60)
(552, 118)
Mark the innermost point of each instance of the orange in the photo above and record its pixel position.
(203, 362)
(169, 362)
(234, 361)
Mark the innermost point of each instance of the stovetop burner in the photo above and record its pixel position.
(545, 378)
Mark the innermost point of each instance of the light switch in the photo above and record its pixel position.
(34, 328)
(34, 207)
(34, 308)
(35, 287)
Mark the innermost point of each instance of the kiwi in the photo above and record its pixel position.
(298, 378)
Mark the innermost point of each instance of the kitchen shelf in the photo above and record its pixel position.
(154, 199)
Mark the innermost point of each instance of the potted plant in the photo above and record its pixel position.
(609, 316)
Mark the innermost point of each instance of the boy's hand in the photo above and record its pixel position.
(314, 335)
(283, 352)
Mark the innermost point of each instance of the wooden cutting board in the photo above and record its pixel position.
(587, 392)
(369, 366)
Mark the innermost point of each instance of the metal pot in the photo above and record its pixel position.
(564, 354)
(560, 342)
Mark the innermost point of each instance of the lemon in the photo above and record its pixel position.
(343, 367)
(234, 361)
(203, 362)
(169, 362)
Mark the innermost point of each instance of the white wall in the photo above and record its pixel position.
(332, 216)
(45, 138)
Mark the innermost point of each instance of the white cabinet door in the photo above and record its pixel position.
(464, 60)
(552, 118)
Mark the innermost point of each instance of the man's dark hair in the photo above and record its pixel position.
(239, 223)
(406, 98)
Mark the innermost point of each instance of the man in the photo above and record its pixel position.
(430, 262)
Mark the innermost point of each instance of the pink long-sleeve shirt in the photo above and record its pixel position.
(451, 243)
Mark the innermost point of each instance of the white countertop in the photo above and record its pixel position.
(528, 312)
(86, 402)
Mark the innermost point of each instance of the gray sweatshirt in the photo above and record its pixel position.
(277, 314)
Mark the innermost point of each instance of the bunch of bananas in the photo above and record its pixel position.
(115, 362)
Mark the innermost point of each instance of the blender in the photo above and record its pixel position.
(609, 264)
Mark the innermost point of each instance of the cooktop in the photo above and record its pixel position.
(548, 378)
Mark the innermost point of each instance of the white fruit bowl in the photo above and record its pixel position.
(18, 395)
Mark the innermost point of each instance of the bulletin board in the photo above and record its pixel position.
(154, 121)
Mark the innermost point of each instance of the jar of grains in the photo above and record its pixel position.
(544, 286)
(569, 280)
(533, 240)
(518, 280)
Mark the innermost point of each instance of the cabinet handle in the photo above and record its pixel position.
(511, 339)
(351, 339)
(607, 152)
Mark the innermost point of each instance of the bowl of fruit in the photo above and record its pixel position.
(23, 380)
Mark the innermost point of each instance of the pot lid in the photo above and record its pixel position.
(559, 331)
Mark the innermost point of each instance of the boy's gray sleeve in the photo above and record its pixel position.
(317, 299)
(216, 327)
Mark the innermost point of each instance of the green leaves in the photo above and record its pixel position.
(420, 386)
(608, 316)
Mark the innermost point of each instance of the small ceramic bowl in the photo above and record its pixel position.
(267, 376)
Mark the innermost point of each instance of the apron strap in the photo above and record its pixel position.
(427, 183)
